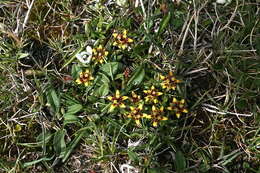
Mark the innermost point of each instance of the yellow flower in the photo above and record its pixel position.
(178, 107)
(136, 114)
(121, 40)
(156, 115)
(85, 78)
(99, 54)
(117, 101)
(152, 94)
(169, 82)
(135, 98)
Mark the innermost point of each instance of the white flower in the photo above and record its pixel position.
(134, 144)
(85, 56)
(223, 1)
(126, 168)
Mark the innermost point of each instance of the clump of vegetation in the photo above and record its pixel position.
(139, 86)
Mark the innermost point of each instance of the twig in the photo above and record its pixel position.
(28, 13)
(214, 109)
(185, 35)
(231, 19)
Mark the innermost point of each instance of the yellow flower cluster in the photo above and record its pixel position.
(135, 98)
(117, 101)
(154, 111)
(145, 104)
(99, 54)
(136, 114)
(152, 94)
(121, 40)
(178, 107)
(157, 115)
(85, 78)
(169, 82)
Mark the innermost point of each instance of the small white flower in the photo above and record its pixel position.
(223, 1)
(89, 49)
(85, 56)
(134, 144)
(126, 168)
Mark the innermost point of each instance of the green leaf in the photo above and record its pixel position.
(53, 100)
(180, 162)
(119, 76)
(75, 70)
(41, 140)
(72, 145)
(103, 90)
(70, 118)
(164, 23)
(137, 77)
(59, 143)
(36, 161)
(102, 79)
(44, 137)
(74, 109)
(133, 156)
(110, 69)
(70, 100)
